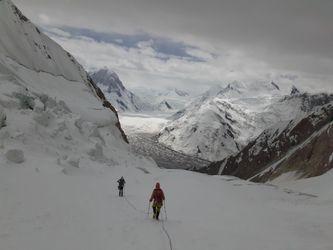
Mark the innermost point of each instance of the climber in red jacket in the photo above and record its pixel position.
(157, 197)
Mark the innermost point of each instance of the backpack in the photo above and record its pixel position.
(158, 195)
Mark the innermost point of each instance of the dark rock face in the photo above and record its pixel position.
(280, 147)
(22, 17)
(313, 159)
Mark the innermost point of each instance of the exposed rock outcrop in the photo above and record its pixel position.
(303, 146)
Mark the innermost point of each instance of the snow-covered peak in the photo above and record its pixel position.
(115, 91)
(109, 79)
(242, 90)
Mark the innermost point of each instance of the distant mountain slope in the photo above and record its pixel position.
(219, 122)
(116, 93)
(300, 148)
(223, 120)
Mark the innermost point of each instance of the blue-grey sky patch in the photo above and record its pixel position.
(164, 47)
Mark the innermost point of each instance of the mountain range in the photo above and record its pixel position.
(222, 121)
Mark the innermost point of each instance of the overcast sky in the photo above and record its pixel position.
(192, 44)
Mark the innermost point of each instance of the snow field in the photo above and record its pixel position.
(47, 209)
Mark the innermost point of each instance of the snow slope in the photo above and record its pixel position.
(46, 209)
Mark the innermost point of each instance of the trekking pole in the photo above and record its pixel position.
(166, 215)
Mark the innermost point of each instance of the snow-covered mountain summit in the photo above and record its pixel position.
(121, 98)
(109, 79)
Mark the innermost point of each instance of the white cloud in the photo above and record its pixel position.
(143, 66)
(44, 19)
(59, 32)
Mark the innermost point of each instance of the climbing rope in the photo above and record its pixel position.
(162, 224)
(133, 206)
(167, 234)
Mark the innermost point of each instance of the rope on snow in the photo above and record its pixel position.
(162, 224)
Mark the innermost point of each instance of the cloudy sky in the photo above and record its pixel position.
(193, 44)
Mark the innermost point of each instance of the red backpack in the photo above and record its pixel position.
(158, 195)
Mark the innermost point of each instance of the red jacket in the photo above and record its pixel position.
(157, 196)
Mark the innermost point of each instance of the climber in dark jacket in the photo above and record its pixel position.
(121, 184)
